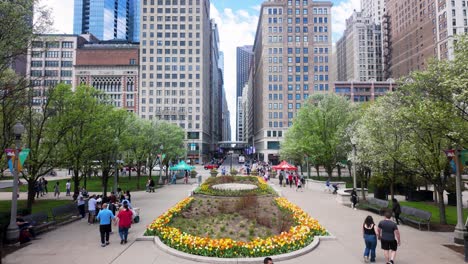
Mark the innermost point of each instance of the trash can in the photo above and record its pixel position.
(199, 179)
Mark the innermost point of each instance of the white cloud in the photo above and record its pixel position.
(236, 28)
(341, 12)
(62, 14)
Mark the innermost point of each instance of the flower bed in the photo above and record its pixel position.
(263, 187)
(299, 235)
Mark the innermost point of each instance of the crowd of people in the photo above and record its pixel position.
(291, 178)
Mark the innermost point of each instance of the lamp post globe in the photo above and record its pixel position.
(12, 234)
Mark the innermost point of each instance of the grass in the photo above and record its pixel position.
(94, 184)
(347, 180)
(450, 211)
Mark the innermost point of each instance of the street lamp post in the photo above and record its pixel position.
(353, 142)
(460, 229)
(116, 174)
(161, 148)
(13, 230)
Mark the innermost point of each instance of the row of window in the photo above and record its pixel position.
(170, 51)
(38, 83)
(170, 2)
(51, 73)
(159, 101)
(299, 87)
(170, 84)
(52, 44)
(171, 76)
(65, 64)
(52, 54)
(171, 68)
(170, 59)
(274, 133)
(170, 35)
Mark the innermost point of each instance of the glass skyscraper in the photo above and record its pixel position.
(108, 19)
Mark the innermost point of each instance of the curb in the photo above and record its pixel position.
(256, 260)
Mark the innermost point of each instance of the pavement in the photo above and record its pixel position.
(79, 242)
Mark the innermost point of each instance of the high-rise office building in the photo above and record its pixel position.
(50, 61)
(374, 9)
(175, 70)
(108, 19)
(216, 88)
(359, 50)
(292, 53)
(244, 58)
(410, 36)
(452, 20)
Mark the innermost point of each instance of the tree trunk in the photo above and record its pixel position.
(442, 218)
(329, 171)
(392, 186)
(339, 172)
(31, 195)
(138, 175)
(76, 182)
(105, 179)
(363, 193)
(317, 167)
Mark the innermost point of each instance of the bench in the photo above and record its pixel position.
(375, 204)
(416, 216)
(65, 214)
(39, 222)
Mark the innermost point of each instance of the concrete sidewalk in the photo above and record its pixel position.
(79, 242)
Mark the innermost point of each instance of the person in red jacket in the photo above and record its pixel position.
(125, 222)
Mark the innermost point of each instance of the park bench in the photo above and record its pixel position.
(416, 216)
(376, 205)
(39, 221)
(65, 214)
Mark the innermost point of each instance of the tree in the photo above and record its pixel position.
(45, 130)
(322, 124)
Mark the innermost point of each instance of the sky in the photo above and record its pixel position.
(237, 21)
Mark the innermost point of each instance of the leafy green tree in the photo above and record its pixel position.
(322, 124)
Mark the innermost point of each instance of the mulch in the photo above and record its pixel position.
(456, 248)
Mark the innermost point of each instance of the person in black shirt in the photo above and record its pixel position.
(369, 230)
(389, 236)
(396, 208)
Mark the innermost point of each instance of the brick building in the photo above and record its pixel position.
(110, 67)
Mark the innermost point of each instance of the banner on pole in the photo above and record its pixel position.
(11, 157)
(10, 154)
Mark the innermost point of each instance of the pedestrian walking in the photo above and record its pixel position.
(354, 199)
(105, 218)
(92, 209)
(125, 221)
(45, 182)
(151, 185)
(281, 178)
(369, 231)
(80, 202)
(389, 236)
(299, 185)
(56, 190)
(290, 179)
(68, 188)
(396, 208)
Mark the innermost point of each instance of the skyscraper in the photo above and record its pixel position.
(359, 50)
(244, 58)
(175, 73)
(374, 9)
(292, 53)
(108, 19)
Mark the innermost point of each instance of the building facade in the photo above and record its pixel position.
(360, 92)
(359, 50)
(244, 58)
(111, 68)
(410, 36)
(175, 76)
(216, 89)
(239, 120)
(374, 9)
(292, 53)
(50, 61)
(452, 20)
(108, 19)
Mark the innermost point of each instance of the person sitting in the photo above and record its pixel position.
(25, 228)
(335, 188)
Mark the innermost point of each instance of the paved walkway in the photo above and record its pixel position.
(79, 242)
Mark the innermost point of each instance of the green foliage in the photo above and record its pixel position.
(319, 131)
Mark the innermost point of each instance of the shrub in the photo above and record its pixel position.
(233, 172)
(193, 174)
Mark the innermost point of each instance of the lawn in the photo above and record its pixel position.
(94, 184)
(450, 211)
(347, 180)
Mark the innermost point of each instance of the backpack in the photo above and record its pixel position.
(136, 219)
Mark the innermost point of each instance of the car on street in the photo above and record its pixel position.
(210, 166)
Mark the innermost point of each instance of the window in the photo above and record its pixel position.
(66, 73)
(67, 45)
(52, 54)
(52, 44)
(67, 54)
(36, 63)
(66, 64)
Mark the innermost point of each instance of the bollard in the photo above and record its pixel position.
(199, 179)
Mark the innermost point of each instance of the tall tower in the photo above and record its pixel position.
(359, 50)
(107, 19)
(374, 9)
(244, 58)
(292, 57)
(175, 72)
